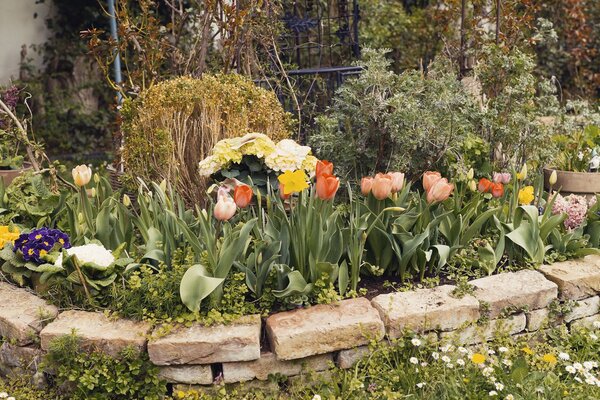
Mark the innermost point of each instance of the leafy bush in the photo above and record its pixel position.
(409, 122)
(174, 124)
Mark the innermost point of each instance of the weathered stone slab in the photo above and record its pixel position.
(425, 309)
(514, 291)
(576, 279)
(348, 358)
(199, 344)
(584, 308)
(22, 314)
(474, 334)
(537, 318)
(187, 374)
(97, 332)
(323, 328)
(592, 322)
(268, 388)
(269, 364)
(20, 356)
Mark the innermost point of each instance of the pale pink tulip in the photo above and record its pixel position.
(397, 181)
(501, 177)
(365, 185)
(440, 191)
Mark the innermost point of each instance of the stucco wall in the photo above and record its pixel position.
(22, 22)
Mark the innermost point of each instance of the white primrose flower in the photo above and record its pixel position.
(89, 253)
(416, 342)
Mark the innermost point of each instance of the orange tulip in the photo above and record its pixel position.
(397, 181)
(327, 186)
(497, 189)
(382, 186)
(323, 167)
(440, 191)
(242, 195)
(485, 185)
(366, 184)
(282, 194)
(430, 178)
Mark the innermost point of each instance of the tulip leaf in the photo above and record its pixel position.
(197, 284)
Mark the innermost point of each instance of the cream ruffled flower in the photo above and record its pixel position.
(288, 156)
(89, 253)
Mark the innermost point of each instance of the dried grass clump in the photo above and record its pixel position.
(174, 124)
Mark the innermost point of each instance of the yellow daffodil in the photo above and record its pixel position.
(550, 358)
(478, 358)
(8, 235)
(293, 181)
(526, 195)
(527, 350)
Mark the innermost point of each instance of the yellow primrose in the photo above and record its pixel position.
(526, 195)
(293, 181)
(7, 235)
(527, 350)
(550, 358)
(478, 358)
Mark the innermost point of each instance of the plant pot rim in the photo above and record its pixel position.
(563, 172)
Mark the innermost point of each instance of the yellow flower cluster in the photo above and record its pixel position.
(8, 236)
(286, 155)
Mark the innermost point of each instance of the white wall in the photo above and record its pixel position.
(18, 26)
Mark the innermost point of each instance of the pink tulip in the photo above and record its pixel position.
(397, 181)
(430, 178)
(440, 191)
(365, 185)
(501, 177)
(382, 186)
(225, 207)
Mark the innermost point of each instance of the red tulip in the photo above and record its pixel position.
(382, 186)
(430, 178)
(242, 195)
(323, 167)
(485, 185)
(440, 191)
(497, 189)
(327, 186)
(397, 181)
(366, 184)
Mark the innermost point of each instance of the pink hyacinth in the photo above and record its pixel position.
(574, 206)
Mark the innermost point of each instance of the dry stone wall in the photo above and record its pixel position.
(311, 339)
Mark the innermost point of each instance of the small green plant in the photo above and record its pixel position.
(101, 377)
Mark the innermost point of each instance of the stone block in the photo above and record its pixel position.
(592, 322)
(425, 309)
(474, 334)
(537, 318)
(349, 357)
(97, 332)
(576, 279)
(269, 364)
(199, 344)
(187, 374)
(514, 291)
(27, 357)
(323, 328)
(22, 314)
(584, 308)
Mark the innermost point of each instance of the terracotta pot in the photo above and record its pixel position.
(567, 182)
(8, 175)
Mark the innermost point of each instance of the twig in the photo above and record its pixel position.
(23, 133)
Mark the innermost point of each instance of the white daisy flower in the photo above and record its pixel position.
(460, 362)
(493, 393)
(502, 349)
(570, 369)
(414, 360)
(420, 384)
(446, 359)
(435, 355)
(507, 362)
(563, 356)
(509, 397)
(499, 386)
(416, 342)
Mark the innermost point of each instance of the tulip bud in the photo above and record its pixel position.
(523, 173)
(126, 200)
(470, 174)
(472, 185)
(82, 174)
(225, 208)
(5, 198)
(553, 178)
(163, 185)
(96, 178)
(93, 192)
(80, 218)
